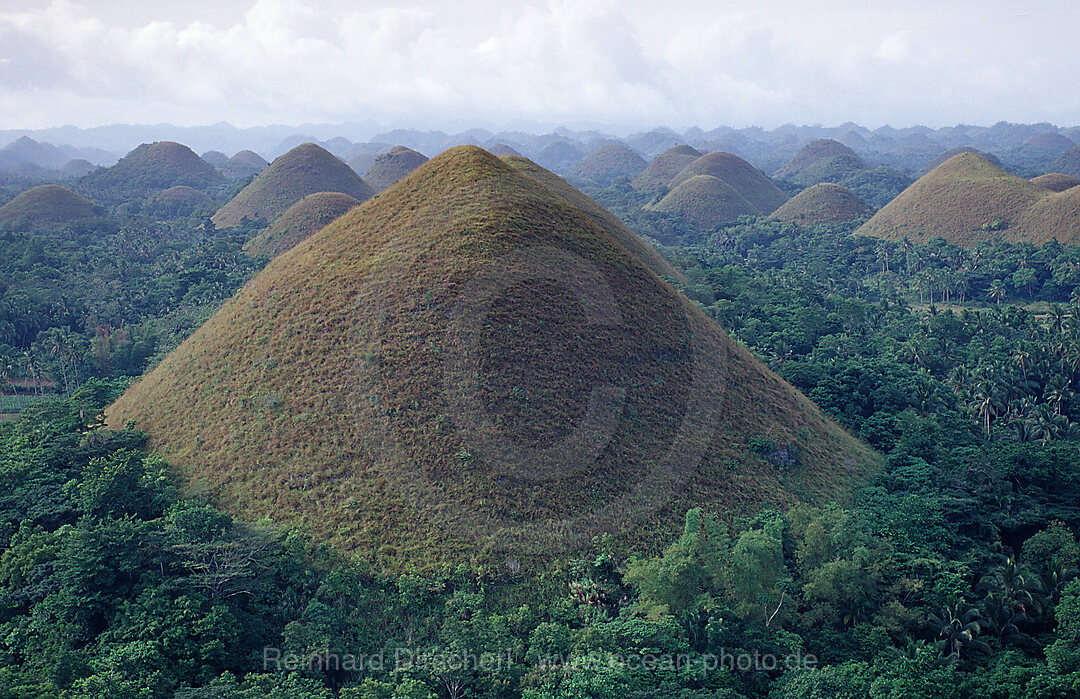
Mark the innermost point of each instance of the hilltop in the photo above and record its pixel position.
(244, 164)
(968, 199)
(824, 203)
(304, 170)
(391, 166)
(823, 160)
(302, 220)
(150, 168)
(47, 206)
(609, 162)
(469, 369)
(1056, 181)
(746, 179)
(664, 167)
(705, 202)
(950, 154)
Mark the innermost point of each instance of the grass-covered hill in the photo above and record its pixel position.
(304, 218)
(306, 169)
(823, 160)
(1053, 217)
(607, 221)
(746, 179)
(609, 162)
(77, 168)
(1056, 181)
(559, 156)
(664, 167)
(391, 166)
(215, 157)
(47, 206)
(824, 203)
(1068, 162)
(968, 199)
(244, 164)
(952, 153)
(150, 168)
(469, 368)
(705, 202)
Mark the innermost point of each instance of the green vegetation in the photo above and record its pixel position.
(824, 160)
(246, 163)
(1068, 163)
(150, 168)
(705, 202)
(664, 167)
(306, 169)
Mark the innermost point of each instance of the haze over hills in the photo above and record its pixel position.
(823, 160)
(968, 199)
(350, 384)
(608, 163)
(705, 202)
(306, 169)
(1068, 162)
(244, 164)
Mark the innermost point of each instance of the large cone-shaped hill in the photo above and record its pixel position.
(747, 180)
(952, 153)
(968, 199)
(47, 206)
(150, 168)
(664, 167)
(824, 203)
(705, 202)
(468, 368)
(244, 164)
(303, 219)
(609, 162)
(1068, 162)
(1056, 181)
(824, 160)
(391, 166)
(306, 169)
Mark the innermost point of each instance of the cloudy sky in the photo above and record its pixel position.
(618, 63)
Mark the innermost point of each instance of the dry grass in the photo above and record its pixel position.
(968, 199)
(705, 202)
(303, 219)
(608, 162)
(823, 203)
(664, 167)
(1068, 162)
(1056, 181)
(46, 206)
(391, 384)
(304, 170)
(746, 179)
(244, 164)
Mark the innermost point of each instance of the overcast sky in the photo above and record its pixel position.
(621, 64)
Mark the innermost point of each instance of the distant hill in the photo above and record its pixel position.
(468, 369)
(823, 160)
(302, 220)
(150, 168)
(609, 162)
(215, 158)
(77, 168)
(391, 166)
(47, 206)
(244, 164)
(1068, 163)
(747, 180)
(705, 202)
(559, 157)
(950, 154)
(968, 199)
(362, 162)
(1056, 181)
(823, 203)
(664, 167)
(502, 149)
(306, 169)
(1037, 153)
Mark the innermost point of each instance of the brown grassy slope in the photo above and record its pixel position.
(824, 203)
(304, 170)
(608, 162)
(747, 180)
(1068, 162)
(954, 202)
(468, 369)
(611, 225)
(47, 205)
(705, 202)
(1056, 181)
(244, 164)
(952, 153)
(664, 167)
(1054, 216)
(823, 160)
(391, 166)
(304, 218)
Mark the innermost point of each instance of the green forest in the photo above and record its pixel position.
(952, 572)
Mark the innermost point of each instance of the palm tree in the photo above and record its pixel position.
(959, 626)
(997, 291)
